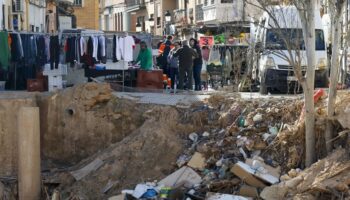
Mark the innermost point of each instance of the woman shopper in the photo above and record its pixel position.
(197, 64)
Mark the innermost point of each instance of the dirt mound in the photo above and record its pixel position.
(80, 121)
(147, 154)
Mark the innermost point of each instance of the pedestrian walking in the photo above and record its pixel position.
(197, 65)
(186, 56)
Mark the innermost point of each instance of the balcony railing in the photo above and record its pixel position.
(130, 3)
(199, 13)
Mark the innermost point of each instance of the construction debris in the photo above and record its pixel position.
(221, 149)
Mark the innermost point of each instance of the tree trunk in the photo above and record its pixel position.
(308, 21)
(335, 65)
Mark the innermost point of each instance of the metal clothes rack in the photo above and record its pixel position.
(109, 35)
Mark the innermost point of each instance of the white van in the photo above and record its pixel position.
(272, 37)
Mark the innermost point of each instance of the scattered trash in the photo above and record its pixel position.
(216, 196)
(206, 134)
(118, 197)
(81, 173)
(197, 161)
(182, 160)
(193, 137)
(185, 177)
(257, 118)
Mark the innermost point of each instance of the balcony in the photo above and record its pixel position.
(223, 12)
(180, 17)
(199, 13)
(134, 5)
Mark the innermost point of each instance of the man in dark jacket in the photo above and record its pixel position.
(197, 64)
(186, 56)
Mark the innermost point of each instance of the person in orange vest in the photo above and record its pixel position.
(163, 52)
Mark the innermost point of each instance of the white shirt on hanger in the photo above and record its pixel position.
(120, 48)
(129, 44)
(83, 46)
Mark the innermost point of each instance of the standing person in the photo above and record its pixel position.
(186, 56)
(174, 64)
(164, 51)
(197, 64)
(145, 57)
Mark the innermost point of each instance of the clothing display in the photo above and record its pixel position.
(24, 54)
(128, 48)
(16, 47)
(4, 51)
(54, 52)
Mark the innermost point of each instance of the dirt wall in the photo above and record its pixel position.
(83, 120)
(9, 107)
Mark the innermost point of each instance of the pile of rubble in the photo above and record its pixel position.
(225, 148)
(256, 153)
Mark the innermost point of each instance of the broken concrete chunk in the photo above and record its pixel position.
(81, 173)
(217, 196)
(248, 191)
(246, 174)
(197, 161)
(274, 192)
(185, 176)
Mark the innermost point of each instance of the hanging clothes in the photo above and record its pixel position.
(41, 51)
(214, 56)
(120, 48)
(16, 47)
(205, 53)
(228, 64)
(29, 48)
(47, 48)
(54, 52)
(83, 46)
(115, 46)
(4, 51)
(71, 50)
(129, 45)
(95, 48)
(101, 54)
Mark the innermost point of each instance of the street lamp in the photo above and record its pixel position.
(151, 21)
(138, 26)
(167, 16)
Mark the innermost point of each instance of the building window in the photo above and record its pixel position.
(212, 2)
(158, 21)
(78, 3)
(226, 1)
(205, 2)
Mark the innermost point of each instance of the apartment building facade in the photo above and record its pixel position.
(87, 13)
(23, 15)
